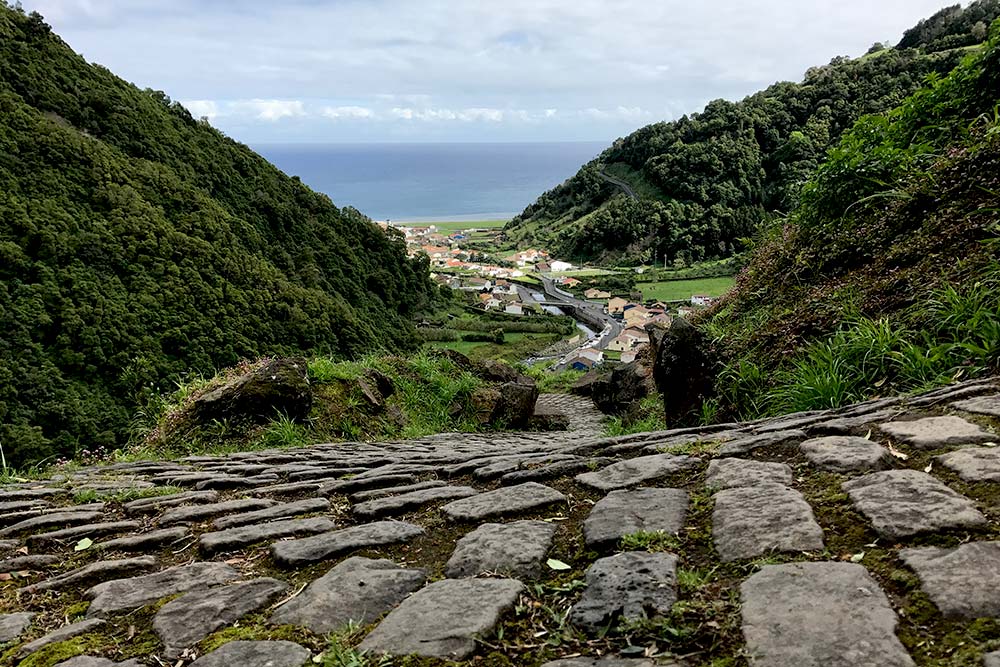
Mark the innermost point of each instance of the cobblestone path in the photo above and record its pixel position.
(866, 536)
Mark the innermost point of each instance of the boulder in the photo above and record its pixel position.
(682, 370)
(618, 392)
(461, 361)
(511, 405)
(280, 386)
(497, 371)
(585, 385)
(517, 404)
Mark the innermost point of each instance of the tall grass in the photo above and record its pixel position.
(954, 334)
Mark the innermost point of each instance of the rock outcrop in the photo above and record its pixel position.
(682, 370)
(279, 387)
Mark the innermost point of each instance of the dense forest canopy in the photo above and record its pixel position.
(706, 182)
(138, 243)
(886, 276)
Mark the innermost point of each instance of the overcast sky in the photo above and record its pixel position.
(464, 70)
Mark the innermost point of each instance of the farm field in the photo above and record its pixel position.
(516, 347)
(680, 290)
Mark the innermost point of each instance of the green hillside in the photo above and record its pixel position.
(886, 277)
(138, 243)
(705, 183)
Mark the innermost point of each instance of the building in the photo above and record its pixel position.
(591, 353)
(569, 282)
(528, 257)
(621, 344)
(636, 316)
(560, 267)
(595, 294)
(616, 305)
(580, 364)
(637, 334)
(514, 309)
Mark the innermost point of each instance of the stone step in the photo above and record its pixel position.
(244, 536)
(819, 615)
(444, 619)
(302, 551)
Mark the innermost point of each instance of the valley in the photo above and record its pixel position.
(729, 396)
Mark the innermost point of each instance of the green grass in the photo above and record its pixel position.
(549, 381)
(955, 334)
(431, 394)
(683, 290)
(585, 273)
(123, 496)
(647, 417)
(452, 226)
(516, 346)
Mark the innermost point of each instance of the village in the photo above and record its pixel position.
(531, 282)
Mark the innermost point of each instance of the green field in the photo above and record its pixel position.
(460, 226)
(584, 273)
(682, 290)
(516, 347)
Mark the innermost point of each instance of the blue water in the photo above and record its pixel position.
(433, 181)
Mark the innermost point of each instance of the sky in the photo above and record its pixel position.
(290, 71)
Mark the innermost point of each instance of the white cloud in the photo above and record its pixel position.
(473, 114)
(481, 114)
(348, 112)
(479, 62)
(271, 110)
(202, 108)
(630, 113)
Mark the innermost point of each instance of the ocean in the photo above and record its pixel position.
(424, 182)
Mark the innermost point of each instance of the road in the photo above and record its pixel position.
(622, 184)
(587, 312)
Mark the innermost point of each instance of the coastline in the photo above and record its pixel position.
(466, 217)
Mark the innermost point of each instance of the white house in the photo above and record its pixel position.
(621, 344)
(559, 267)
(590, 353)
(514, 309)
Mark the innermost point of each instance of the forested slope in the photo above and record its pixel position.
(886, 277)
(138, 243)
(707, 181)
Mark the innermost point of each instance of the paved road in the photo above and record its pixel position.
(621, 184)
(612, 327)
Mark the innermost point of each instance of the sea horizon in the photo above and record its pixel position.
(432, 181)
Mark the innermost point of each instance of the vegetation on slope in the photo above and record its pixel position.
(707, 182)
(430, 393)
(886, 278)
(138, 244)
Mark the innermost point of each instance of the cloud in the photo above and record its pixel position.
(481, 114)
(492, 68)
(475, 114)
(271, 110)
(348, 112)
(202, 108)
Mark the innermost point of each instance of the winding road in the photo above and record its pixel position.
(621, 184)
(587, 312)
